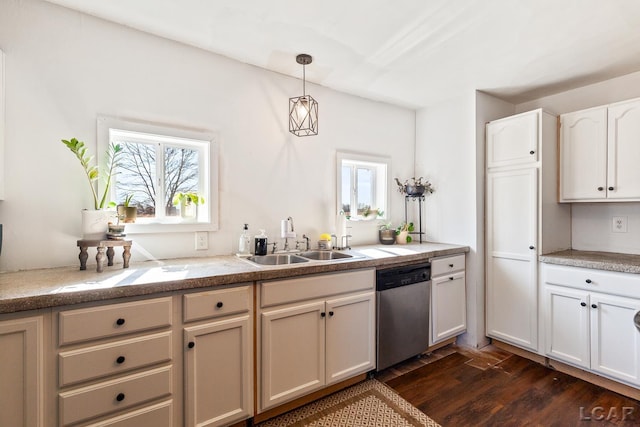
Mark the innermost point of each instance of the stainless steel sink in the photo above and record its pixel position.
(325, 255)
(277, 259)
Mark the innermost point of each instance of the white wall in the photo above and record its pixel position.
(591, 222)
(64, 68)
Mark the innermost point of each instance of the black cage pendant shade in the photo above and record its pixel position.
(303, 110)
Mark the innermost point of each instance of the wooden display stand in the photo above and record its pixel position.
(102, 245)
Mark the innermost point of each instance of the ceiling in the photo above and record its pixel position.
(413, 53)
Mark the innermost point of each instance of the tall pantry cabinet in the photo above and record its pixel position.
(523, 220)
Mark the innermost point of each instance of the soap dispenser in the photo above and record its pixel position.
(261, 243)
(244, 243)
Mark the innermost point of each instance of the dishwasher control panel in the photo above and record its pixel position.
(390, 278)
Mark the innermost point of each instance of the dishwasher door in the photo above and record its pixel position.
(403, 323)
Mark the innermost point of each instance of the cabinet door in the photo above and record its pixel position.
(350, 339)
(583, 154)
(615, 340)
(219, 374)
(566, 320)
(293, 352)
(513, 140)
(21, 371)
(448, 307)
(512, 217)
(623, 173)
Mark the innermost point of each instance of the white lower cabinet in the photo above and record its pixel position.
(448, 298)
(21, 372)
(322, 333)
(587, 327)
(218, 360)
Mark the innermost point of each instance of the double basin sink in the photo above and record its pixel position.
(280, 259)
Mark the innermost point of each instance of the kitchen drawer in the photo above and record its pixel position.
(113, 358)
(608, 282)
(447, 265)
(320, 286)
(218, 303)
(159, 415)
(115, 319)
(115, 395)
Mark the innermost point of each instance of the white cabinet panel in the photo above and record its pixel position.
(448, 306)
(623, 173)
(513, 140)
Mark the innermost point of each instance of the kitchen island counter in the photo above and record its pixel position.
(43, 288)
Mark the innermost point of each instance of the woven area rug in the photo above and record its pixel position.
(369, 403)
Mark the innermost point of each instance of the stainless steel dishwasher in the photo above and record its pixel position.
(402, 313)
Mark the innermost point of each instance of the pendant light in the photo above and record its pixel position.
(303, 110)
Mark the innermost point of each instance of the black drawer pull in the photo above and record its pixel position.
(594, 306)
(531, 247)
(588, 280)
(584, 304)
(532, 152)
(120, 360)
(450, 278)
(610, 188)
(450, 265)
(120, 322)
(331, 313)
(219, 304)
(120, 397)
(191, 344)
(600, 188)
(323, 314)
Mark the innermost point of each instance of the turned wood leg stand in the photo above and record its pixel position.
(102, 246)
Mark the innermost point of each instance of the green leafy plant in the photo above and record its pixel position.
(93, 172)
(188, 198)
(127, 200)
(408, 227)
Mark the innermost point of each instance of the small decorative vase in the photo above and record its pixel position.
(401, 237)
(95, 223)
(415, 190)
(387, 237)
(188, 211)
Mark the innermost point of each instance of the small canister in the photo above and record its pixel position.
(260, 244)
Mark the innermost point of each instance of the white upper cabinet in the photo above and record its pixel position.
(513, 140)
(599, 153)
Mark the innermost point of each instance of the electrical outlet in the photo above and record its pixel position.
(202, 240)
(619, 224)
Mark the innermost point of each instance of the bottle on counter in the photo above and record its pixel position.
(244, 243)
(260, 240)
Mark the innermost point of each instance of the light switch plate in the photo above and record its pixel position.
(619, 224)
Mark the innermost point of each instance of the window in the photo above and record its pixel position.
(362, 186)
(169, 175)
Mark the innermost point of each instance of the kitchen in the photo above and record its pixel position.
(63, 72)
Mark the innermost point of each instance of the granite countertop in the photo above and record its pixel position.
(44, 288)
(610, 261)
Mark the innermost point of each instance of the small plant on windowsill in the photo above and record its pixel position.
(126, 211)
(188, 202)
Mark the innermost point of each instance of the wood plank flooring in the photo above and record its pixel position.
(457, 386)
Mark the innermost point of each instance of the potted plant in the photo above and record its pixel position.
(414, 187)
(94, 222)
(188, 202)
(126, 212)
(402, 233)
(386, 234)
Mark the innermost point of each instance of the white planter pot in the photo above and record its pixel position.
(401, 238)
(95, 223)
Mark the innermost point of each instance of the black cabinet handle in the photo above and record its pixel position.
(584, 304)
(120, 397)
(331, 313)
(191, 344)
(120, 322)
(425, 276)
(532, 152)
(531, 247)
(450, 265)
(610, 188)
(594, 306)
(450, 278)
(219, 304)
(323, 314)
(600, 188)
(588, 280)
(120, 360)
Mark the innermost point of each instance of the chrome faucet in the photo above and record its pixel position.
(286, 232)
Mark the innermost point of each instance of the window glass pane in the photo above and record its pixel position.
(136, 176)
(181, 174)
(346, 190)
(364, 188)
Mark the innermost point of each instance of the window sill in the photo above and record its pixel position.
(183, 227)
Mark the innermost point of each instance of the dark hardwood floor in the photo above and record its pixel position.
(457, 386)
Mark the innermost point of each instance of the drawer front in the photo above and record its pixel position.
(116, 395)
(113, 358)
(115, 319)
(159, 415)
(447, 265)
(311, 287)
(218, 303)
(608, 282)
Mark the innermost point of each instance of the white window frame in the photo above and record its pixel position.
(381, 166)
(172, 136)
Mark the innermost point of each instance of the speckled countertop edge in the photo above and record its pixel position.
(609, 261)
(46, 288)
